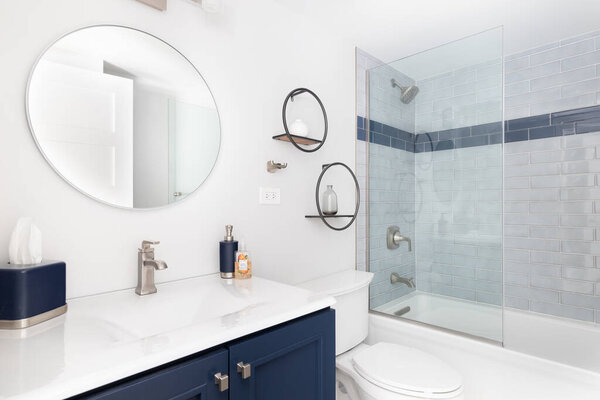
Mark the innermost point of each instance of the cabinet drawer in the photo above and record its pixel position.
(193, 379)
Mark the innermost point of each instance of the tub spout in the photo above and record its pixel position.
(395, 278)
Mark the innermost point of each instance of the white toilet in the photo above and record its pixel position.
(382, 371)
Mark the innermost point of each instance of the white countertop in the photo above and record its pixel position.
(110, 336)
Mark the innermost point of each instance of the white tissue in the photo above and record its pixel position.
(25, 243)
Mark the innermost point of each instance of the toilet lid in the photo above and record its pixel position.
(406, 370)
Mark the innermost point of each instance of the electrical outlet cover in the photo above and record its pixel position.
(269, 196)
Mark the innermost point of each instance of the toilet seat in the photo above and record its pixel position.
(407, 371)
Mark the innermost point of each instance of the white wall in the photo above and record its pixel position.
(251, 59)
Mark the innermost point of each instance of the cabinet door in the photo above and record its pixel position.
(190, 380)
(295, 361)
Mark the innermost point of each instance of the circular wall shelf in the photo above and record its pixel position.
(301, 140)
(325, 217)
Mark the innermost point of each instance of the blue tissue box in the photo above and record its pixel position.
(31, 293)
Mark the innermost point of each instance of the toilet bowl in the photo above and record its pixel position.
(381, 371)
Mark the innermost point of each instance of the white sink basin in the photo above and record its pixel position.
(177, 305)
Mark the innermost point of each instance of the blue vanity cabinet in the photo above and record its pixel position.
(295, 361)
(291, 361)
(188, 380)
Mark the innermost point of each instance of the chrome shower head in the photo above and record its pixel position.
(408, 92)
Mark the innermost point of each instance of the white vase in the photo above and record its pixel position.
(329, 205)
(299, 128)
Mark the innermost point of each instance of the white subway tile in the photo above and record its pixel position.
(516, 111)
(580, 88)
(545, 257)
(526, 194)
(534, 72)
(516, 88)
(580, 61)
(518, 159)
(579, 154)
(562, 284)
(562, 311)
(515, 302)
(571, 207)
(576, 75)
(563, 51)
(546, 156)
(533, 169)
(565, 103)
(581, 300)
(545, 181)
(516, 207)
(489, 252)
(516, 255)
(580, 247)
(580, 220)
(520, 182)
(516, 279)
(532, 244)
(534, 145)
(581, 167)
(516, 231)
(531, 293)
(577, 260)
(563, 155)
(577, 180)
(531, 51)
(545, 270)
(517, 267)
(584, 274)
(516, 64)
(580, 193)
(538, 219)
(544, 232)
(586, 140)
(542, 95)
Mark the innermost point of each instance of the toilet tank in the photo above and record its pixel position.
(350, 289)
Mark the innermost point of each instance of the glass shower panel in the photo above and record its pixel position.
(435, 186)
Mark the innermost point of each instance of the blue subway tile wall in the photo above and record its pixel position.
(562, 123)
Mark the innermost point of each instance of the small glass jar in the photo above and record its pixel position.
(329, 204)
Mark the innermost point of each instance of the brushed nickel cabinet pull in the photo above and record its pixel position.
(222, 381)
(244, 369)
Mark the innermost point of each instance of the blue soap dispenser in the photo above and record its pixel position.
(227, 249)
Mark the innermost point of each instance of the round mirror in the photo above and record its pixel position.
(123, 117)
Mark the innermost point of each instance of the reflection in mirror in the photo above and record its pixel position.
(123, 117)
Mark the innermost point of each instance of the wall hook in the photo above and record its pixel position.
(273, 167)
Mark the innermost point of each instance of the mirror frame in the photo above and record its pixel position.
(39, 147)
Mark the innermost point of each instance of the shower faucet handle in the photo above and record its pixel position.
(394, 238)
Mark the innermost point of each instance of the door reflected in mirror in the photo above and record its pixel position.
(123, 117)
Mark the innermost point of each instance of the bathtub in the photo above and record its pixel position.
(562, 340)
(475, 319)
(491, 372)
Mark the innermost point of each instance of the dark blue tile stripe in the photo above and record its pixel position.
(563, 123)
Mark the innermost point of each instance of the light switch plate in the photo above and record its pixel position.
(269, 195)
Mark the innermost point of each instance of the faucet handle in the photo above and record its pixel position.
(147, 244)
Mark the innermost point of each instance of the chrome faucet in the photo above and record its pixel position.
(394, 238)
(146, 266)
(396, 278)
